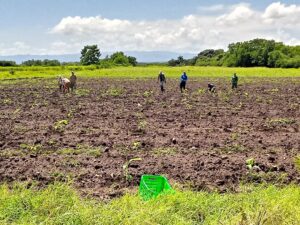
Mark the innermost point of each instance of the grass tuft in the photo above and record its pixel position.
(60, 204)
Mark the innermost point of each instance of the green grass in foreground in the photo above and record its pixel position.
(143, 72)
(60, 204)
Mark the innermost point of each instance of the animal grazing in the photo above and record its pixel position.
(64, 84)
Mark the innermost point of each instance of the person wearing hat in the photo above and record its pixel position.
(234, 81)
(162, 81)
(73, 80)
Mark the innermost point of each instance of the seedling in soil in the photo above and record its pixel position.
(21, 129)
(274, 90)
(268, 177)
(139, 115)
(294, 106)
(259, 99)
(127, 175)
(136, 145)
(269, 101)
(234, 136)
(250, 163)
(114, 92)
(71, 113)
(60, 125)
(83, 92)
(7, 101)
(240, 106)
(71, 162)
(149, 101)
(224, 96)
(31, 148)
(94, 152)
(273, 123)
(297, 162)
(188, 106)
(62, 177)
(147, 94)
(82, 150)
(52, 142)
(34, 105)
(142, 125)
(17, 111)
(6, 153)
(233, 148)
(165, 151)
(201, 91)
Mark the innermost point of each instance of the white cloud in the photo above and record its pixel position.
(191, 33)
(89, 25)
(281, 12)
(16, 48)
(223, 25)
(239, 13)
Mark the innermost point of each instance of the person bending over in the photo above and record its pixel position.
(211, 88)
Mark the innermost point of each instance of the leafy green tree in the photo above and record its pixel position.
(275, 58)
(119, 58)
(180, 61)
(132, 60)
(90, 54)
(7, 63)
(210, 57)
(172, 62)
(45, 62)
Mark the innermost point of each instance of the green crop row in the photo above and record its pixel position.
(142, 72)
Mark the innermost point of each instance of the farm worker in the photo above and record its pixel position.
(183, 80)
(60, 84)
(234, 81)
(162, 80)
(211, 87)
(73, 80)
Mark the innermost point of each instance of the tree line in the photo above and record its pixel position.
(253, 53)
(90, 55)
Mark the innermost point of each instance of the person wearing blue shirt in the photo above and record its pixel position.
(183, 80)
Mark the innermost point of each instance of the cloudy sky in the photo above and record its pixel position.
(65, 26)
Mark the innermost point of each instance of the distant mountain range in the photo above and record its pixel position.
(142, 57)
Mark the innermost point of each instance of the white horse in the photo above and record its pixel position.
(64, 84)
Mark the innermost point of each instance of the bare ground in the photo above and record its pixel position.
(197, 139)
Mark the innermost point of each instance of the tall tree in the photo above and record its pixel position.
(90, 54)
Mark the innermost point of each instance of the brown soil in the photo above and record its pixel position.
(197, 139)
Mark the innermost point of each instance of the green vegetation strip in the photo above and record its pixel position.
(60, 204)
(142, 72)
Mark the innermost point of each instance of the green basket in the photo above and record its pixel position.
(153, 185)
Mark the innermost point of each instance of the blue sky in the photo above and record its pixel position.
(63, 26)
